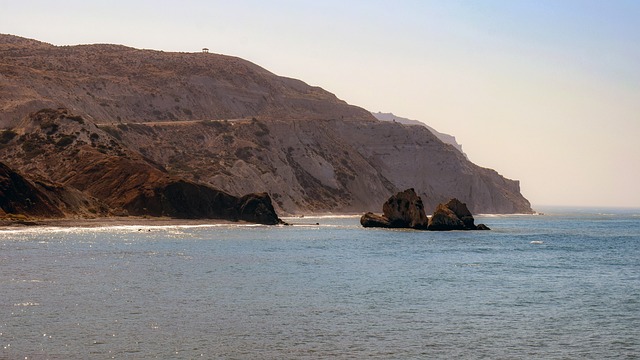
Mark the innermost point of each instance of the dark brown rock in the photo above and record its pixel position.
(372, 220)
(454, 215)
(444, 219)
(187, 200)
(405, 210)
(20, 196)
(402, 210)
(258, 208)
(462, 212)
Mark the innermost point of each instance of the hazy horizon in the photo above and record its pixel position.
(544, 92)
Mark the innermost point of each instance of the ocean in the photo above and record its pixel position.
(564, 285)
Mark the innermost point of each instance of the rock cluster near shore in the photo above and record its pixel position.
(406, 210)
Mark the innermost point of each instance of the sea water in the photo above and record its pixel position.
(565, 285)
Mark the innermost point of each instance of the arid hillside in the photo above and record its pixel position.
(148, 120)
(321, 166)
(75, 169)
(113, 83)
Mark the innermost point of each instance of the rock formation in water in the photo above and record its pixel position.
(405, 210)
(219, 122)
(402, 210)
(454, 215)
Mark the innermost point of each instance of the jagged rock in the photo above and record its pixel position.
(258, 208)
(186, 200)
(444, 218)
(402, 210)
(462, 212)
(405, 210)
(454, 215)
(372, 220)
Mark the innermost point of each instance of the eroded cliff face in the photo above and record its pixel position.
(81, 160)
(323, 165)
(134, 122)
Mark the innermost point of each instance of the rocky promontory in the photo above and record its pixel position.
(220, 122)
(406, 210)
(76, 169)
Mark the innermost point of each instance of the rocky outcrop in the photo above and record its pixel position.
(20, 196)
(81, 159)
(405, 210)
(402, 210)
(258, 208)
(185, 200)
(370, 219)
(454, 215)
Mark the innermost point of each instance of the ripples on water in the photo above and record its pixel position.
(534, 287)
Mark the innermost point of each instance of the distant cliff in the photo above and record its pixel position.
(145, 120)
(445, 138)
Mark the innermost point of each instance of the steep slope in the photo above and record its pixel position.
(145, 120)
(67, 150)
(445, 138)
(113, 83)
(322, 165)
(20, 196)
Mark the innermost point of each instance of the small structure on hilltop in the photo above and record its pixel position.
(205, 50)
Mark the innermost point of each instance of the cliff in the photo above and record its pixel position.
(445, 138)
(135, 125)
(78, 157)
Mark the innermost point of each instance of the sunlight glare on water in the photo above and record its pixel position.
(562, 286)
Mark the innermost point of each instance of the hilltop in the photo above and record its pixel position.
(153, 119)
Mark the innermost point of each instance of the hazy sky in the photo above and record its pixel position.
(543, 91)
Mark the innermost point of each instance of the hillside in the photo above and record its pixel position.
(87, 164)
(113, 83)
(151, 120)
(445, 138)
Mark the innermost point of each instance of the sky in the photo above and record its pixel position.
(543, 91)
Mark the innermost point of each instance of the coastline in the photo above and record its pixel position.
(13, 224)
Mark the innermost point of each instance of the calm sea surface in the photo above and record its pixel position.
(565, 285)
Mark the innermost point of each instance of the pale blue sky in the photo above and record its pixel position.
(543, 91)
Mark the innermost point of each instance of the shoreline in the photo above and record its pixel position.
(13, 224)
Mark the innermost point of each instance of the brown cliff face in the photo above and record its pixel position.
(142, 120)
(67, 150)
(323, 165)
(20, 196)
